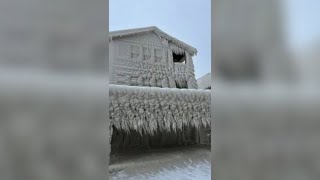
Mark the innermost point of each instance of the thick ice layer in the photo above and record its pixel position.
(146, 109)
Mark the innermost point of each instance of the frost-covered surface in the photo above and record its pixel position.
(146, 109)
(130, 32)
(168, 164)
(204, 82)
(192, 171)
(143, 57)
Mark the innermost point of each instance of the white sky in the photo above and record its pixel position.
(190, 21)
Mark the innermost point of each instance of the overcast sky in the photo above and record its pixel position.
(187, 20)
(190, 21)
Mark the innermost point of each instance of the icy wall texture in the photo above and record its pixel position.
(148, 109)
(146, 60)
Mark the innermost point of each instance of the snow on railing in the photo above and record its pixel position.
(148, 109)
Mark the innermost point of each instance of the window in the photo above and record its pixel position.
(146, 53)
(181, 84)
(134, 51)
(158, 55)
(179, 58)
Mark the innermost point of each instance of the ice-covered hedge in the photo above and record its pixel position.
(146, 109)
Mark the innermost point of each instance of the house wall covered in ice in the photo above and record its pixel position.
(147, 59)
(154, 100)
(158, 116)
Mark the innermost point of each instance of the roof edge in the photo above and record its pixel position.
(155, 29)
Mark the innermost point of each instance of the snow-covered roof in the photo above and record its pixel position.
(160, 33)
(205, 81)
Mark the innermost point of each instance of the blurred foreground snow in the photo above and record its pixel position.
(188, 164)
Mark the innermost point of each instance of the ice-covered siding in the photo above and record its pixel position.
(148, 109)
(146, 60)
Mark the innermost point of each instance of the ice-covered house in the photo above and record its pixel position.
(150, 57)
(154, 100)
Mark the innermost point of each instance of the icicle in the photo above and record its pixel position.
(149, 109)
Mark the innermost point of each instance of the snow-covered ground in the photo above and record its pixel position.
(199, 171)
(169, 164)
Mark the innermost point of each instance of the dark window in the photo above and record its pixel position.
(181, 84)
(179, 58)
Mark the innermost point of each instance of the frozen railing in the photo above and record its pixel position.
(147, 109)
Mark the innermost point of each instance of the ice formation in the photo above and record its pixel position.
(154, 100)
(149, 57)
(146, 109)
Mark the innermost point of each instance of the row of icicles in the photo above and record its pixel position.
(146, 109)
